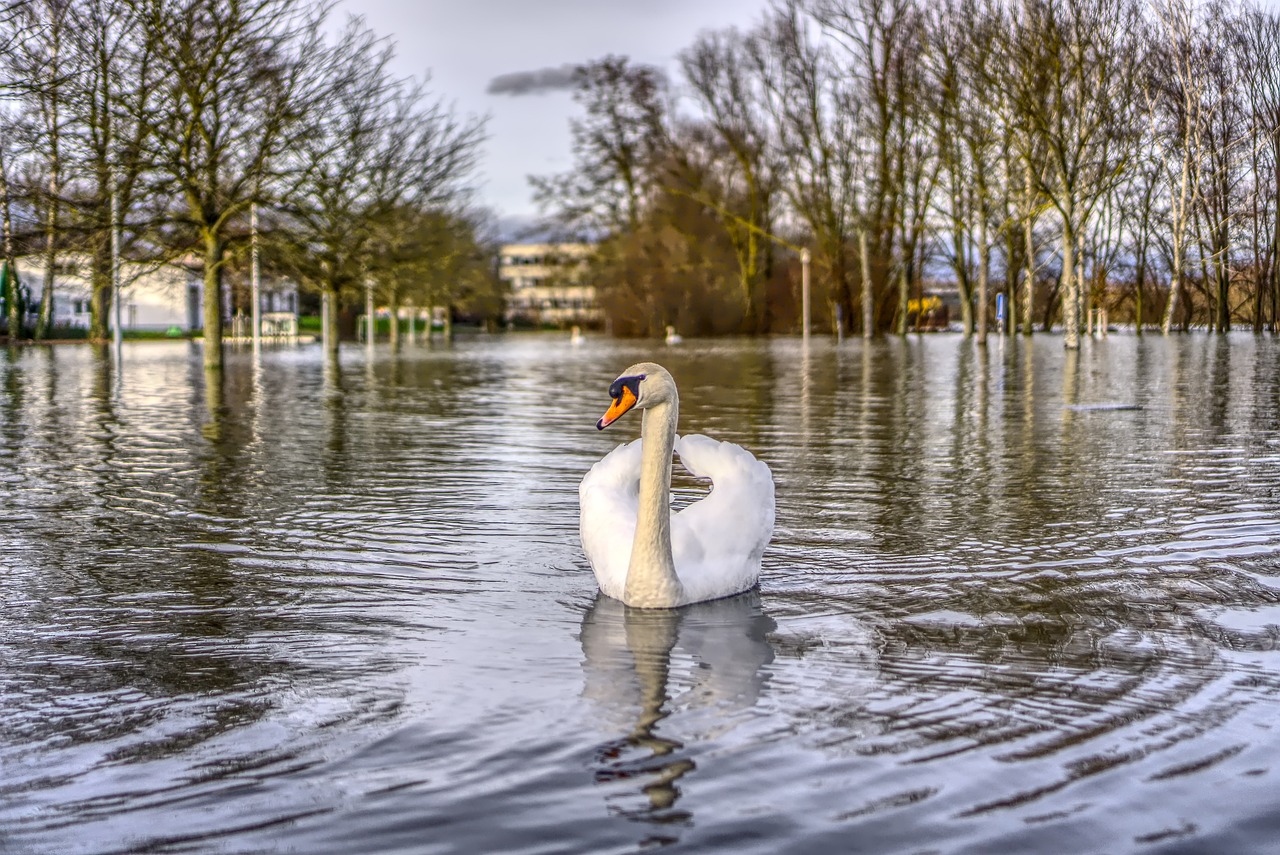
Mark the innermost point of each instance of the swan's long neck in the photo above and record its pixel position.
(651, 577)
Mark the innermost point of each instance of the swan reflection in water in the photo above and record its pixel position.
(641, 666)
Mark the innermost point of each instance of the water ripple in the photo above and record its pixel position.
(307, 610)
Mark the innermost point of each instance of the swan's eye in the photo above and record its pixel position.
(632, 383)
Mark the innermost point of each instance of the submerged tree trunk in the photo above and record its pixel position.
(11, 284)
(1140, 272)
(904, 297)
(964, 283)
(330, 320)
(1275, 261)
(1223, 276)
(393, 303)
(100, 298)
(1010, 281)
(1140, 277)
(1070, 288)
(214, 249)
(984, 263)
(1029, 258)
(45, 321)
(868, 302)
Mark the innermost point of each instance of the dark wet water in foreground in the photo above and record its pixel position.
(1003, 611)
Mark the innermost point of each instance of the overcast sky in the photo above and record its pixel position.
(467, 45)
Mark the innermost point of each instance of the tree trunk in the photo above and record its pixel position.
(1070, 288)
(1274, 283)
(963, 283)
(1175, 285)
(393, 303)
(1010, 281)
(45, 320)
(1223, 276)
(11, 284)
(868, 302)
(1275, 261)
(100, 298)
(330, 320)
(904, 291)
(1140, 277)
(212, 309)
(1029, 258)
(984, 263)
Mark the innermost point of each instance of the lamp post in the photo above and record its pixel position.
(117, 333)
(254, 316)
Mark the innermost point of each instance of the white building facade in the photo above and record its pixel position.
(547, 286)
(154, 297)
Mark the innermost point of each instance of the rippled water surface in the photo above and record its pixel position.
(1016, 601)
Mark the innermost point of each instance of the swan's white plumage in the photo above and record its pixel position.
(716, 542)
(609, 498)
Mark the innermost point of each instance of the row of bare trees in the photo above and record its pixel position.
(160, 124)
(1068, 154)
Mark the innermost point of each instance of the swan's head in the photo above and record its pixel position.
(642, 385)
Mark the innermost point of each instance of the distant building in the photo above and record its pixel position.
(546, 284)
(153, 296)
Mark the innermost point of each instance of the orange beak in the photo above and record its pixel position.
(620, 405)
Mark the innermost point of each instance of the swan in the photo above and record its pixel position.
(673, 337)
(575, 337)
(642, 553)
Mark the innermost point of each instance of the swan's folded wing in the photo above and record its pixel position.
(608, 500)
(722, 537)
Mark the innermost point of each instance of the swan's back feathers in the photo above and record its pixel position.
(718, 541)
(608, 499)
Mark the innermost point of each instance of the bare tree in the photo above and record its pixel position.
(1074, 106)
(1259, 54)
(109, 101)
(238, 87)
(435, 258)
(41, 61)
(814, 113)
(15, 26)
(381, 146)
(718, 67)
(615, 146)
(1221, 168)
(881, 43)
(10, 281)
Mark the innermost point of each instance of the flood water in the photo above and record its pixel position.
(1016, 601)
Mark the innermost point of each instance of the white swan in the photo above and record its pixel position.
(643, 554)
(673, 337)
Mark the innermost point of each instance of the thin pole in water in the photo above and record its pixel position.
(368, 310)
(117, 333)
(255, 317)
(324, 321)
(804, 289)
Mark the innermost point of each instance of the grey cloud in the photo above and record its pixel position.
(534, 82)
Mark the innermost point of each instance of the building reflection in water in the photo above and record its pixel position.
(645, 668)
